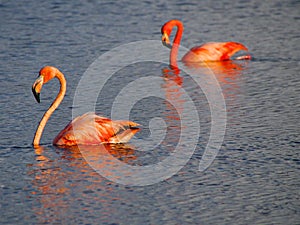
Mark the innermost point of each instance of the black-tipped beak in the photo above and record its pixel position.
(167, 45)
(37, 87)
(166, 41)
(36, 95)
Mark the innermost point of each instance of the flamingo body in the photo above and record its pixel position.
(91, 129)
(211, 51)
(88, 129)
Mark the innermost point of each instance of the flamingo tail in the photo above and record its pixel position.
(230, 48)
(126, 130)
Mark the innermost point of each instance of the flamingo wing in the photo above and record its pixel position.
(91, 129)
(213, 51)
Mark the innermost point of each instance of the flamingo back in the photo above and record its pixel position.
(91, 129)
(213, 51)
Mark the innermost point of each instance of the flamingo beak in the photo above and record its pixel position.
(37, 87)
(166, 40)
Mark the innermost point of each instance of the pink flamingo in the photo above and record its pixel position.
(91, 129)
(211, 51)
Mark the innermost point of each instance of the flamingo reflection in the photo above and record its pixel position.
(57, 176)
(172, 87)
(228, 74)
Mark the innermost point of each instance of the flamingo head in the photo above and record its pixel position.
(166, 40)
(46, 73)
(166, 30)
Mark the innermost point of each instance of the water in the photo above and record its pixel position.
(254, 178)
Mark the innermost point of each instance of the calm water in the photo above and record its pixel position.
(253, 180)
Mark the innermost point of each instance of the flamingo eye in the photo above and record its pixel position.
(165, 37)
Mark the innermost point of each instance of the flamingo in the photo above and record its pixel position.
(211, 51)
(90, 129)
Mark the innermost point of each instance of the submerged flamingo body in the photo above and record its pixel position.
(88, 129)
(211, 51)
(91, 129)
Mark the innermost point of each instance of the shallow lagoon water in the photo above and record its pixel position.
(254, 178)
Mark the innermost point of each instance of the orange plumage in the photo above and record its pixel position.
(88, 129)
(91, 129)
(211, 51)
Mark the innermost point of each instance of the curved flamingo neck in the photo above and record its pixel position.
(52, 108)
(176, 42)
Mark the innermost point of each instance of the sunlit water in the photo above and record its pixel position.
(253, 180)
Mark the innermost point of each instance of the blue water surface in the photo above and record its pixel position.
(254, 178)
